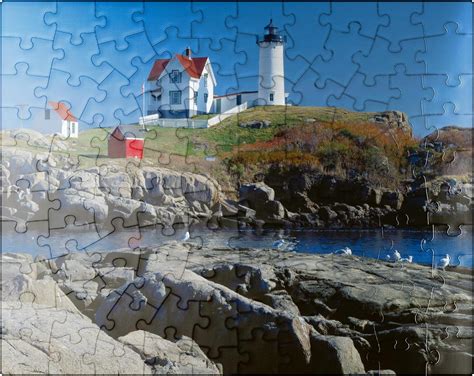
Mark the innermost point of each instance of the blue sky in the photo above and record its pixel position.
(366, 57)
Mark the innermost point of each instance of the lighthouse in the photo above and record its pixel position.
(271, 80)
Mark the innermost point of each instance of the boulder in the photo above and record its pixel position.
(271, 210)
(393, 199)
(23, 289)
(38, 339)
(205, 311)
(281, 300)
(255, 124)
(81, 293)
(335, 355)
(83, 206)
(165, 357)
(248, 280)
(13, 264)
(256, 194)
(326, 213)
(393, 119)
(117, 184)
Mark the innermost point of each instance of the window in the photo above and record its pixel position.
(205, 77)
(175, 97)
(271, 97)
(205, 97)
(47, 114)
(73, 128)
(239, 100)
(195, 97)
(175, 77)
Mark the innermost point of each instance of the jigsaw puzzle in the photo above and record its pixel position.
(236, 187)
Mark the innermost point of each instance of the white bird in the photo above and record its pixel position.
(344, 251)
(444, 262)
(395, 257)
(186, 237)
(278, 243)
(408, 259)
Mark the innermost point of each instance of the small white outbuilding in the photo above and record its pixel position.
(69, 123)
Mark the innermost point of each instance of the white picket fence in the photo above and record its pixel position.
(152, 120)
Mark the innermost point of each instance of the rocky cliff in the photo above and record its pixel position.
(174, 309)
(35, 183)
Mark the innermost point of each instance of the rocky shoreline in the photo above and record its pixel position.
(43, 187)
(177, 309)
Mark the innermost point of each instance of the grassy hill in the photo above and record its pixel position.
(321, 138)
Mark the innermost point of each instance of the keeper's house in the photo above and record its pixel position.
(183, 86)
(180, 87)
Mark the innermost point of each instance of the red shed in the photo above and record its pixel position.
(126, 142)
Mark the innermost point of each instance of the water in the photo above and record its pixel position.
(426, 247)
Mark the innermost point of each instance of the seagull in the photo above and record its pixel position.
(278, 243)
(344, 251)
(409, 259)
(396, 256)
(186, 237)
(444, 262)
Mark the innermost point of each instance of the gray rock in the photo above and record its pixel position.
(270, 210)
(165, 357)
(250, 281)
(255, 124)
(393, 199)
(37, 339)
(281, 300)
(22, 289)
(256, 194)
(327, 214)
(147, 304)
(381, 372)
(332, 354)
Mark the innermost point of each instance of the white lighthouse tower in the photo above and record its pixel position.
(271, 81)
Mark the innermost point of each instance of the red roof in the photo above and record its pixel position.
(193, 66)
(62, 110)
(122, 132)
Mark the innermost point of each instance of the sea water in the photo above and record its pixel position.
(426, 247)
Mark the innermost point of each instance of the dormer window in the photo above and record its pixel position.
(175, 77)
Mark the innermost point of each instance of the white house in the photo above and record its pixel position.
(182, 86)
(58, 115)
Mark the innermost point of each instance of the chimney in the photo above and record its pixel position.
(188, 52)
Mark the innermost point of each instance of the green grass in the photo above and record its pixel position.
(223, 137)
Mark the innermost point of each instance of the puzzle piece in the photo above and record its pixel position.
(450, 43)
(341, 67)
(57, 85)
(13, 95)
(74, 19)
(331, 233)
(80, 55)
(34, 57)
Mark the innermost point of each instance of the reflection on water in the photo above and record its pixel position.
(425, 247)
